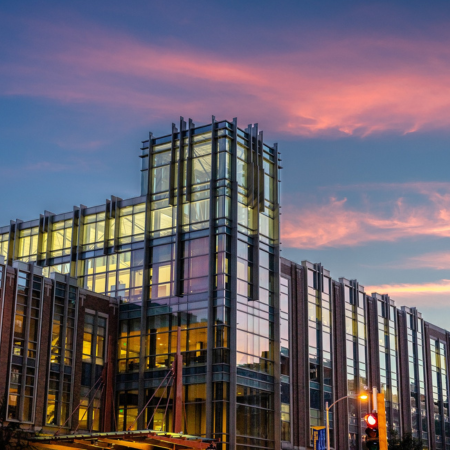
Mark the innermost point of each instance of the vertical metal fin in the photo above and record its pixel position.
(177, 368)
(40, 238)
(178, 269)
(255, 212)
(189, 163)
(212, 278)
(48, 229)
(250, 167)
(11, 241)
(107, 226)
(73, 253)
(145, 287)
(15, 248)
(261, 172)
(233, 303)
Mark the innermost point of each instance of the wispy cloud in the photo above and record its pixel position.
(47, 166)
(336, 87)
(431, 294)
(36, 167)
(70, 165)
(80, 145)
(433, 260)
(337, 224)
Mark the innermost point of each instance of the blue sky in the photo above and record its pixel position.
(357, 94)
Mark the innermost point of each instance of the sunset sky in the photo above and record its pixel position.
(357, 95)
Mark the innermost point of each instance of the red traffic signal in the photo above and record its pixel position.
(371, 420)
(372, 440)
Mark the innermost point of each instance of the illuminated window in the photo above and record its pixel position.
(93, 231)
(93, 357)
(28, 244)
(4, 240)
(61, 238)
(25, 343)
(132, 224)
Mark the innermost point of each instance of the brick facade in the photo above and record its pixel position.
(86, 301)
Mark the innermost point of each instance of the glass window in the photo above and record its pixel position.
(93, 231)
(162, 253)
(161, 219)
(161, 273)
(199, 211)
(201, 170)
(161, 159)
(160, 177)
(61, 238)
(4, 240)
(241, 173)
(28, 244)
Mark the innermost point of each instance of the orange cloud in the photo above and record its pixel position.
(335, 224)
(339, 87)
(429, 295)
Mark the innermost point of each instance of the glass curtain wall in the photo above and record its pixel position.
(93, 361)
(285, 362)
(257, 290)
(388, 348)
(417, 376)
(439, 379)
(320, 345)
(198, 248)
(61, 355)
(25, 348)
(357, 365)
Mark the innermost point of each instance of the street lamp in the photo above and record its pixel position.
(327, 409)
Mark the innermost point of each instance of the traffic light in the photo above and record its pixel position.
(372, 442)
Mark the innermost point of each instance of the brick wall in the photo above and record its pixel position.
(87, 300)
(8, 313)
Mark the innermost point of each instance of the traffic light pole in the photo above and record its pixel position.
(328, 424)
(375, 399)
(327, 409)
(382, 429)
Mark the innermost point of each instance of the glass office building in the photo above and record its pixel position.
(198, 249)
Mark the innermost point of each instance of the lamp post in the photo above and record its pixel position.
(327, 409)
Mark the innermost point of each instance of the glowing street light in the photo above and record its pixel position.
(327, 408)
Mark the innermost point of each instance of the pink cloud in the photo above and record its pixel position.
(430, 294)
(336, 224)
(338, 87)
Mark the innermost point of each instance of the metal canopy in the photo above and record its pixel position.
(142, 440)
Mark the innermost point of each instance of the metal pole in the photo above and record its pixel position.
(328, 426)
(178, 386)
(374, 397)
